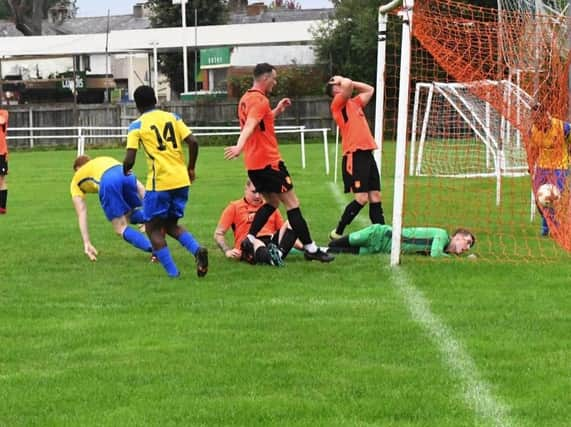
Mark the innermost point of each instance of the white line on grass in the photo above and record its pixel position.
(477, 393)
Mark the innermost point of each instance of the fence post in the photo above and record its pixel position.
(302, 140)
(326, 151)
(80, 142)
(31, 124)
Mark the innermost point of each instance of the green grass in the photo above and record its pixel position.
(116, 342)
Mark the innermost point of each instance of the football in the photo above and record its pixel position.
(547, 195)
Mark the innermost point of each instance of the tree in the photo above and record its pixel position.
(165, 14)
(27, 14)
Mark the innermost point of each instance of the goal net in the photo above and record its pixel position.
(477, 76)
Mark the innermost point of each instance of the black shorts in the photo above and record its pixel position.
(267, 239)
(3, 165)
(360, 172)
(271, 180)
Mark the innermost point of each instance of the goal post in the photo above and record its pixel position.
(466, 80)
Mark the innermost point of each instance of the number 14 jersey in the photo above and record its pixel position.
(161, 134)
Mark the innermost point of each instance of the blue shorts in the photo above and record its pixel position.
(118, 193)
(165, 204)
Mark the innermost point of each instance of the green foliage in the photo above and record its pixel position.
(293, 81)
(166, 14)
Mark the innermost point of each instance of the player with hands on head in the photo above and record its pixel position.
(360, 170)
(263, 160)
(161, 134)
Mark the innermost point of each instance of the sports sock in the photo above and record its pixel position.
(261, 218)
(137, 239)
(137, 216)
(189, 242)
(343, 242)
(376, 213)
(286, 243)
(3, 198)
(351, 211)
(165, 258)
(299, 225)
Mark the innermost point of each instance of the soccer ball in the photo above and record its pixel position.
(547, 194)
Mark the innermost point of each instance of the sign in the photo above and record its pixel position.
(68, 82)
(216, 57)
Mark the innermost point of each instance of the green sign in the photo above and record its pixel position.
(216, 57)
(68, 82)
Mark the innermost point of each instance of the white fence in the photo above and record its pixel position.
(86, 133)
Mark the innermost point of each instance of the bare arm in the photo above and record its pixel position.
(81, 210)
(247, 131)
(281, 107)
(229, 252)
(364, 91)
(129, 160)
(192, 155)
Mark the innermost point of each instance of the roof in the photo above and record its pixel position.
(281, 15)
(121, 41)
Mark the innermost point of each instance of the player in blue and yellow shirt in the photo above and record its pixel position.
(549, 150)
(161, 135)
(120, 197)
(429, 241)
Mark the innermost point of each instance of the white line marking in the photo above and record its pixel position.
(477, 393)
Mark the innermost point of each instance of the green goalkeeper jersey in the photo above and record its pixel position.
(415, 240)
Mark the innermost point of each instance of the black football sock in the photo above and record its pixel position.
(260, 219)
(351, 211)
(376, 213)
(3, 198)
(299, 225)
(287, 242)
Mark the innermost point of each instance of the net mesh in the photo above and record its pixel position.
(480, 79)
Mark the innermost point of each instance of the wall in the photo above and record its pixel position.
(313, 112)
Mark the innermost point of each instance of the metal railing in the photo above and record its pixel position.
(85, 133)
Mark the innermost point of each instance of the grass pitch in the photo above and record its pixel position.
(353, 343)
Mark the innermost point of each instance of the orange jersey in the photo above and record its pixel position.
(239, 215)
(3, 131)
(349, 116)
(261, 149)
(552, 145)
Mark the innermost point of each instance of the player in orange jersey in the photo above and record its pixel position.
(3, 160)
(274, 241)
(263, 160)
(360, 171)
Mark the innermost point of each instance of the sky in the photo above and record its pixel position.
(125, 7)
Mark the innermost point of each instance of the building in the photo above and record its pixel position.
(98, 74)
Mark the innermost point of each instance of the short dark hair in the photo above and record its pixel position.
(145, 97)
(465, 232)
(263, 68)
(329, 89)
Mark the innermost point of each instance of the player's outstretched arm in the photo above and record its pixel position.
(281, 107)
(247, 131)
(81, 210)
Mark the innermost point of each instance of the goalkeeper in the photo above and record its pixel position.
(429, 241)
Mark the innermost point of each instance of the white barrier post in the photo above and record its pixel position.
(80, 142)
(302, 140)
(336, 153)
(31, 122)
(326, 151)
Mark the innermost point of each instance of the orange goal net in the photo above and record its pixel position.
(487, 125)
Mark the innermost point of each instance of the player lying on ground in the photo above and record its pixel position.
(428, 241)
(120, 197)
(274, 241)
